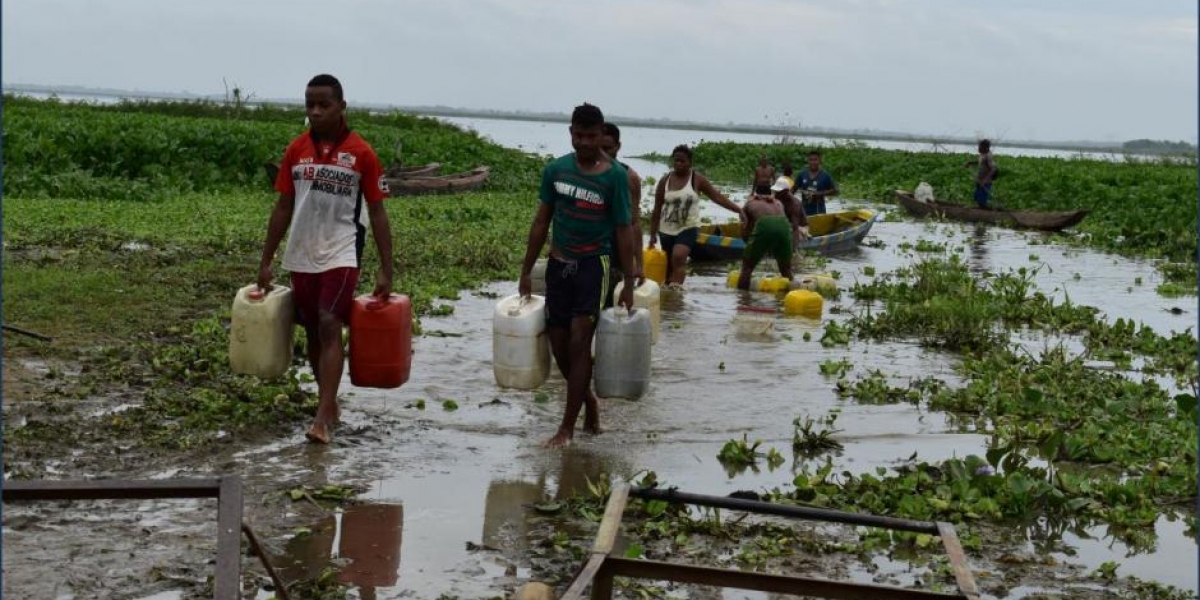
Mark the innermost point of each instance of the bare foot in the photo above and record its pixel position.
(318, 433)
(592, 426)
(560, 440)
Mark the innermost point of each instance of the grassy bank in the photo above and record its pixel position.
(128, 228)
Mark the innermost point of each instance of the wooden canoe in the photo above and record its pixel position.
(1028, 219)
(394, 172)
(414, 171)
(829, 234)
(443, 184)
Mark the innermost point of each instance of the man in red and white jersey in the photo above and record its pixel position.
(331, 187)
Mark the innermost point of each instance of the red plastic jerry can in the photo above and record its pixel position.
(380, 341)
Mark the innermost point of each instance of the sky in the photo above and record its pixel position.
(1050, 70)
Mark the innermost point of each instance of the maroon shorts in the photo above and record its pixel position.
(330, 291)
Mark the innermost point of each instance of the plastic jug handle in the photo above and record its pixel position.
(376, 303)
(516, 310)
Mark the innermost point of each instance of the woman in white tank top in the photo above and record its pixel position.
(676, 218)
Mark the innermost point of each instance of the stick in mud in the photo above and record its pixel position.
(32, 334)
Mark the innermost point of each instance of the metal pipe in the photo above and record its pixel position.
(783, 510)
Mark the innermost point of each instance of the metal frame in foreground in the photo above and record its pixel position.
(227, 490)
(602, 566)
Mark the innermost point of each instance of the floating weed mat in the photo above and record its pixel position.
(182, 392)
(1066, 440)
(940, 304)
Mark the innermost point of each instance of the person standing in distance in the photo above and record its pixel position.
(815, 185)
(327, 177)
(586, 196)
(985, 174)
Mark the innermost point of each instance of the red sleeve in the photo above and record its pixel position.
(374, 184)
(283, 179)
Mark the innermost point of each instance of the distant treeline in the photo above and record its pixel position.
(1144, 146)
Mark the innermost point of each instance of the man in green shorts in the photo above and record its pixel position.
(768, 229)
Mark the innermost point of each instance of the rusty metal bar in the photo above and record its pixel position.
(227, 580)
(227, 490)
(763, 582)
(958, 561)
(783, 510)
(111, 489)
(257, 548)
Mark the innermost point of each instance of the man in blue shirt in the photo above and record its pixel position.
(815, 185)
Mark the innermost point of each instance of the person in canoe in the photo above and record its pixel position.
(815, 185)
(769, 229)
(985, 173)
(586, 196)
(611, 145)
(676, 217)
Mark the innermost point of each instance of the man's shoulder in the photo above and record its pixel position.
(356, 143)
(565, 161)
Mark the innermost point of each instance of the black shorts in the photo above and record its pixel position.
(687, 237)
(575, 289)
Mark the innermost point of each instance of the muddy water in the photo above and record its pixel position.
(466, 478)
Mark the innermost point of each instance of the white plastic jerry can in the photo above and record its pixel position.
(520, 347)
(260, 332)
(622, 368)
(645, 296)
(537, 277)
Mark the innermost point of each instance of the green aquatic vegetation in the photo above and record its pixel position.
(190, 398)
(741, 452)
(810, 436)
(874, 389)
(924, 245)
(835, 368)
(147, 150)
(1174, 290)
(835, 335)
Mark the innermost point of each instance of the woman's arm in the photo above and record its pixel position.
(659, 196)
(704, 186)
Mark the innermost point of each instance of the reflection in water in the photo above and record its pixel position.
(368, 541)
(977, 247)
(506, 515)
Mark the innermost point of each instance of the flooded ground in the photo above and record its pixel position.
(449, 493)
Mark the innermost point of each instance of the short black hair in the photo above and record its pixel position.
(587, 115)
(684, 149)
(327, 80)
(611, 130)
(816, 153)
(986, 143)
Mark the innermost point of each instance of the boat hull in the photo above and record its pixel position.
(831, 233)
(1027, 219)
